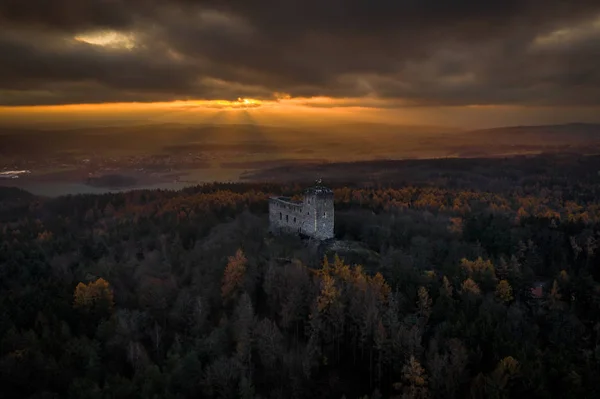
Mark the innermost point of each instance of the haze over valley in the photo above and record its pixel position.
(69, 160)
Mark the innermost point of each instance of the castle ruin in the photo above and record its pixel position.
(313, 216)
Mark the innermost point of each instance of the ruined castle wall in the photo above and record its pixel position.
(285, 216)
(313, 217)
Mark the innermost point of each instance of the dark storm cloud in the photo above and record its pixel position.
(66, 15)
(424, 52)
(30, 65)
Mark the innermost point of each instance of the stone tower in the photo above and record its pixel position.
(318, 212)
(313, 216)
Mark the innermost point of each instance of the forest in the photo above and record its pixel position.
(463, 286)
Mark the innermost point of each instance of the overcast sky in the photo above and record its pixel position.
(382, 54)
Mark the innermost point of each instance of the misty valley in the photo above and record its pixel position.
(96, 159)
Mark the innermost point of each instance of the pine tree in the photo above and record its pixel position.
(470, 287)
(96, 295)
(446, 290)
(504, 291)
(554, 300)
(424, 304)
(414, 380)
(233, 277)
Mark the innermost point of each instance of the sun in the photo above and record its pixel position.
(248, 101)
(225, 105)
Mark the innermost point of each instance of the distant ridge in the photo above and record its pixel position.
(570, 135)
(14, 194)
(575, 127)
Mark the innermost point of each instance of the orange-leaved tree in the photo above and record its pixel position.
(470, 287)
(233, 277)
(96, 295)
(504, 291)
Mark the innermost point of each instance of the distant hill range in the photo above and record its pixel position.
(567, 132)
(12, 201)
(14, 194)
(581, 138)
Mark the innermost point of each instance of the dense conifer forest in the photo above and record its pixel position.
(447, 288)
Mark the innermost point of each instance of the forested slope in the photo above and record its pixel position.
(186, 294)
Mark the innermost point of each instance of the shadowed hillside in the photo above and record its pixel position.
(186, 294)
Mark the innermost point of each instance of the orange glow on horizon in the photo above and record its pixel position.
(284, 110)
(240, 103)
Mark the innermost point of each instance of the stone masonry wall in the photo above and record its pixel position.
(319, 210)
(313, 217)
(285, 216)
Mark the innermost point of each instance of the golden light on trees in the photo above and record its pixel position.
(456, 225)
(506, 369)
(414, 380)
(504, 291)
(96, 294)
(480, 270)
(471, 287)
(234, 274)
(446, 289)
(477, 266)
(380, 287)
(329, 293)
